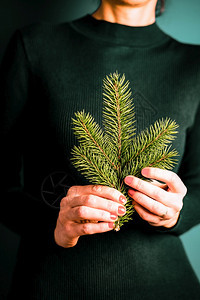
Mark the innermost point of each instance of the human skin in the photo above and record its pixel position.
(156, 204)
(89, 202)
(152, 201)
(127, 12)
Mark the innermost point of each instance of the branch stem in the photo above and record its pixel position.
(91, 137)
(146, 146)
(98, 171)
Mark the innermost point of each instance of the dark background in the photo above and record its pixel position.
(180, 20)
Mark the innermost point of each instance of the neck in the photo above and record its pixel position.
(129, 13)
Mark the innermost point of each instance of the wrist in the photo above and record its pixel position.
(61, 237)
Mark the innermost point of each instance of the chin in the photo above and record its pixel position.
(133, 2)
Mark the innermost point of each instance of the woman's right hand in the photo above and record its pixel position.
(89, 202)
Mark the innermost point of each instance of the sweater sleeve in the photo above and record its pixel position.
(189, 172)
(19, 209)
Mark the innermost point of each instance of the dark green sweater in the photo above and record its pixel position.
(50, 71)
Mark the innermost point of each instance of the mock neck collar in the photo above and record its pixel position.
(141, 36)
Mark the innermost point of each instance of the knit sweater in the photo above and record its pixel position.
(50, 71)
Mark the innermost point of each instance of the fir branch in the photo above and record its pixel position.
(129, 208)
(166, 161)
(92, 166)
(118, 120)
(88, 132)
(118, 113)
(107, 157)
(161, 158)
(158, 135)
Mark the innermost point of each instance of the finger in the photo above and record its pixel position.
(167, 223)
(83, 212)
(146, 215)
(98, 190)
(98, 202)
(170, 178)
(152, 206)
(92, 228)
(150, 190)
(163, 186)
(151, 218)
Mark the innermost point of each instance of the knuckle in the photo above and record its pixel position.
(184, 190)
(173, 176)
(114, 194)
(111, 207)
(72, 190)
(89, 199)
(85, 229)
(138, 197)
(64, 201)
(97, 188)
(170, 214)
(103, 215)
(157, 194)
(155, 172)
(138, 184)
(155, 207)
(81, 212)
(179, 204)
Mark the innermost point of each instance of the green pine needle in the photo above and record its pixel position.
(107, 156)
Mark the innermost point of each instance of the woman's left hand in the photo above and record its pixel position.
(158, 204)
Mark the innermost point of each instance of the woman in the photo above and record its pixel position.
(48, 73)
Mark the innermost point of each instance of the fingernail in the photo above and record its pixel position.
(121, 210)
(113, 217)
(122, 199)
(131, 192)
(128, 180)
(111, 225)
(144, 172)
